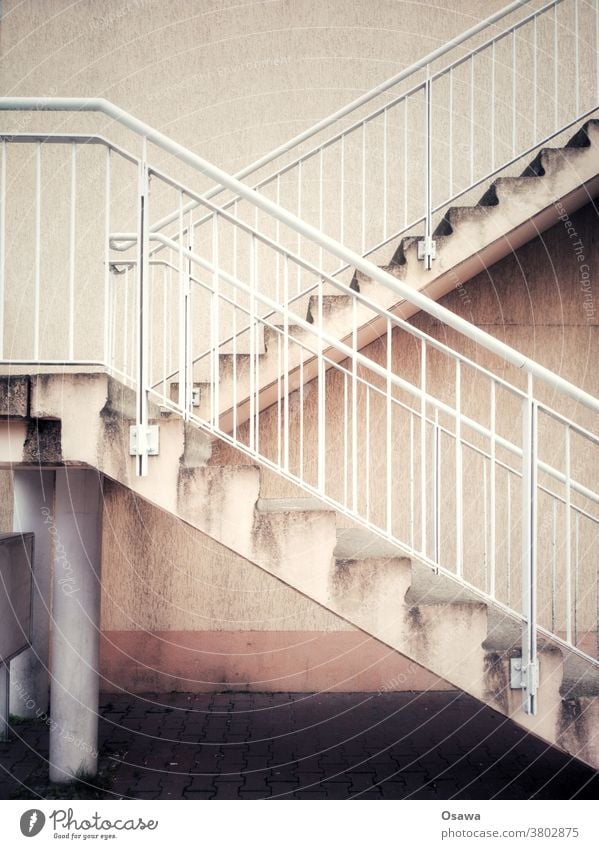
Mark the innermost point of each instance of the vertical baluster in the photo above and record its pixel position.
(321, 433)
(126, 325)
(299, 215)
(534, 81)
(412, 484)
(568, 557)
(2, 240)
(576, 574)
(286, 344)
(108, 306)
(514, 93)
(301, 421)
(423, 464)
(72, 237)
(556, 67)
(554, 566)
(459, 494)
(389, 423)
(215, 321)
(183, 306)
(367, 450)
(234, 328)
(363, 188)
(437, 488)
(320, 201)
(252, 320)
(345, 440)
(450, 132)
(492, 487)
(165, 325)
(354, 402)
(577, 56)
(509, 539)
(471, 119)
(342, 191)
(529, 546)
(385, 175)
(38, 251)
(405, 162)
(492, 106)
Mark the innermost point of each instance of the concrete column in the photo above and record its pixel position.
(33, 506)
(75, 624)
(4, 698)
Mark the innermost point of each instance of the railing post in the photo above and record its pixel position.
(427, 247)
(184, 397)
(527, 676)
(143, 439)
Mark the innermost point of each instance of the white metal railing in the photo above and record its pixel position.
(342, 423)
(430, 134)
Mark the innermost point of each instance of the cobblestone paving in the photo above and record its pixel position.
(306, 746)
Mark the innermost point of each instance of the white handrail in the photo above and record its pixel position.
(422, 302)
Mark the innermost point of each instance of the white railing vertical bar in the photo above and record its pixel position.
(108, 320)
(486, 527)
(367, 432)
(184, 291)
(554, 566)
(472, 154)
(2, 240)
(255, 333)
(363, 239)
(556, 66)
(568, 540)
(529, 551)
(492, 105)
(514, 89)
(72, 237)
(389, 432)
(320, 202)
(492, 487)
(423, 463)
(509, 540)
(142, 317)
(437, 489)
(234, 320)
(321, 412)
(165, 327)
(576, 575)
(126, 325)
(286, 364)
(354, 408)
(385, 171)
(345, 439)
(301, 421)
(405, 162)
(342, 190)
(450, 133)
(215, 322)
(577, 56)
(459, 494)
(534, 82)
(428, 182)
(38, 250)
(252, 340)
(412, 485)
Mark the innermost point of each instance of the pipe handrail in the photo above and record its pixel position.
(403, 290)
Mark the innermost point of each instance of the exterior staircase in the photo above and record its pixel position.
(84, 419)
(132, 415)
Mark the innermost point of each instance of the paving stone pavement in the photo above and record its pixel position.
(442, 745)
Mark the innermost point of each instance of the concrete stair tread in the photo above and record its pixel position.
(361, 544)
(428, 588)
(292, 505)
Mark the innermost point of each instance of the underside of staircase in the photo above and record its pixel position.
(469, 239)
(84, 419)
